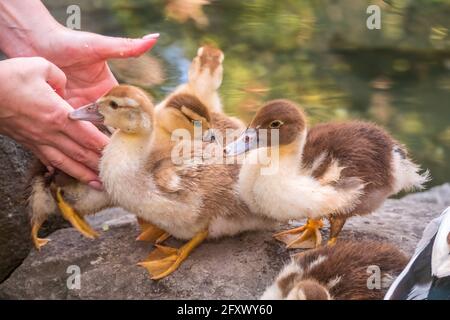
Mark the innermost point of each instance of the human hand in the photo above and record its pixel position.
(33, 112)
(27, 30)
(82, 57)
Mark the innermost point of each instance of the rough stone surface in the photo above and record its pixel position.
(14, 225)
(15, 240)
(238, 267)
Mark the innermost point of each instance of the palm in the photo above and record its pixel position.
(82, 56)
(86, 82)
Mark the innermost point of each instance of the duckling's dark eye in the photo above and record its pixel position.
(113, 104)
(275, 124)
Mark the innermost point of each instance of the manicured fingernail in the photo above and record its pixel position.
(97, 185)
(151, 36)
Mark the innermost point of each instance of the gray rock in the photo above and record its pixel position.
(238, 267)
(15, 240)
(14, 226)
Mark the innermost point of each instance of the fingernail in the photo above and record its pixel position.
(151, 36)
(97, 185)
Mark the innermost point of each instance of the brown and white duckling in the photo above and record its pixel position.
(334, 170)
(189, 201)
(349, 270)
(56, 192)
(200, 93)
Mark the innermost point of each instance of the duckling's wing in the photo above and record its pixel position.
(166, 177)
(417, 280)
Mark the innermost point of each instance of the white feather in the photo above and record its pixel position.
(440, 259)
(406, 174)
(273, 292)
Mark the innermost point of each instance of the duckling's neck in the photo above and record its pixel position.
(292, 153)
(132, 143)
(123, 157)
(284, 157)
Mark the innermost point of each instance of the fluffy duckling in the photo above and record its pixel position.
(200, 93)
(347, 271)
(427, 275)
(204, 79)
(334, 170)
(56, 192)
(189, 201)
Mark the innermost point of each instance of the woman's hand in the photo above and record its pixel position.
(27, 30)
(82, 57)
(33, 112)
(32, 109)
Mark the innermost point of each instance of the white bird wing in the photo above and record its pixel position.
(416, 279)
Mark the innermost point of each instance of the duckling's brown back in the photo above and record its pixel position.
(347, 266)
(365, 152)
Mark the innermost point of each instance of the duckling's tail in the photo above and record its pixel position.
(407, 175)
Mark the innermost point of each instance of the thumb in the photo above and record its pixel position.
(56, 78)
(112, 47)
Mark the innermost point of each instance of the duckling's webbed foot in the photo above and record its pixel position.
(151, 233)
(74, 217)
(164, 260)
(305, 237)
(38, 242)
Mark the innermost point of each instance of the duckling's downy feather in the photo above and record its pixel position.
(343, 269)
(363, 150)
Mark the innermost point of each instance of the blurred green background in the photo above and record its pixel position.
(318, 53)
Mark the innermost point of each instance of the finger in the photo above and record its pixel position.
(73, 150)
(73, 168)
(56, 78)
(83, 133)
(111, 47)
(86, 135)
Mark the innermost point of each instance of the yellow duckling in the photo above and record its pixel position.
(189, 201)
(334, 170)
(350, 270)
(54, 192)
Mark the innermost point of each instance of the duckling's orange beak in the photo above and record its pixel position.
(88, 112)
(247, 141)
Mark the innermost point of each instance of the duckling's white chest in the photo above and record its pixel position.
(122, 170)
(279, 191)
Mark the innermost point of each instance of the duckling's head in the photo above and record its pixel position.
(186, 112)
(308, 290)
(208, 60)
(279, 123)
(124, 107)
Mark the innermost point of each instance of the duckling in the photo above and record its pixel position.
(204, 79)
(50, 192)
(427, 275)
(188, 201)
(335, 170)
(201, 93)
(349, 270)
